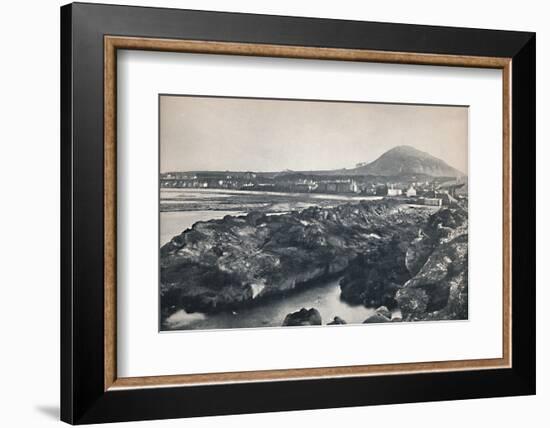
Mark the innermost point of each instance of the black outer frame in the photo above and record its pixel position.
(83, 399)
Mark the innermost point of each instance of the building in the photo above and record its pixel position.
(411, 191)
(394, 192)
(337, 186)
(433, 202)
(448, 199)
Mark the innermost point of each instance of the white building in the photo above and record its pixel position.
(411, 191)
(394, 192)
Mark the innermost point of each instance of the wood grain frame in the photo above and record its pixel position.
(114, 43)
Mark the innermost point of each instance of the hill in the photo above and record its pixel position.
(406, 160)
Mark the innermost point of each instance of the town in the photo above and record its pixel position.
(418, 188)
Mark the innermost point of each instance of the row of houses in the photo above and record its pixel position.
(298, 183)
(409, 192)
(249, 183)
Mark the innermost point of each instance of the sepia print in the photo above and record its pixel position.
(277, 212)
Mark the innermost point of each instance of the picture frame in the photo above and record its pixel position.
(91, 36)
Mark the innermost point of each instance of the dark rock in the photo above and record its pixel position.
(413, 302)
(374, 277)
(384, 311)
(418, 252)
(376, 318)
(336, 321)
(236, 261)
(388, 255)
(303, 317)
(439, 290)
(254, 218)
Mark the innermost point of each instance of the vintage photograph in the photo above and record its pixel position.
(283, 212)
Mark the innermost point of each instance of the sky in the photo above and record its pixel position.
(213, 133)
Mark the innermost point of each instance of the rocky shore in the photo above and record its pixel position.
(438, 264)
(312, 316)
(389, 255)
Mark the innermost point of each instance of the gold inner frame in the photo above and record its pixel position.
(113, 43)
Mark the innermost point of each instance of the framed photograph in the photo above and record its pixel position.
(265, 213)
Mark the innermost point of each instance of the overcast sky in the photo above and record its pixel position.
(198, 133)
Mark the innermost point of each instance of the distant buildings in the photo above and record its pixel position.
(394, 191)
(434, 202)
(434, 192)
(337, 186)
